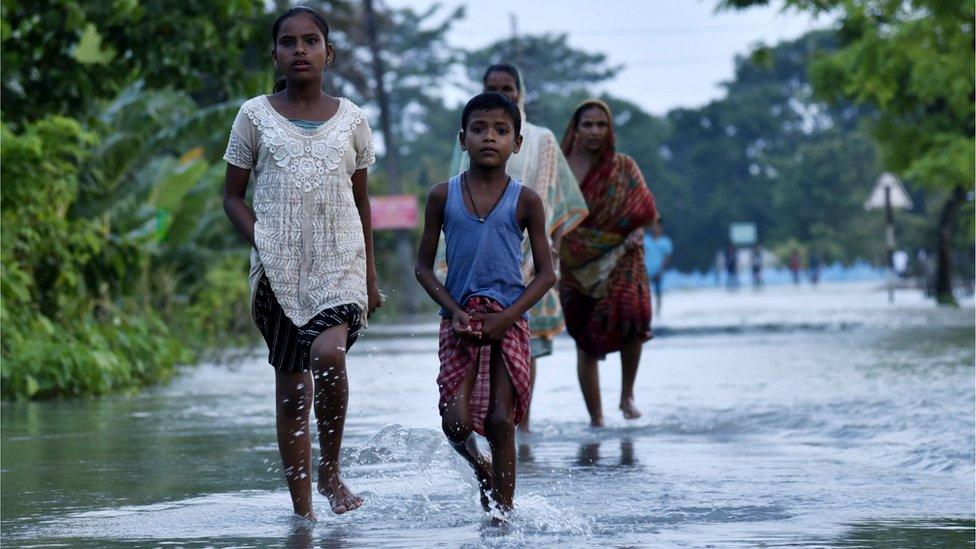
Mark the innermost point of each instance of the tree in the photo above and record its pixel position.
(551, 67)
(408, 53)
(758, 155)
(59, 55)
(913, 62)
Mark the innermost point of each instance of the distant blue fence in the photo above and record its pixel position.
(857, 272)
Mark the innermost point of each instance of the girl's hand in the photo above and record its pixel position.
(374, 298)
(461, 324)
(495, 325)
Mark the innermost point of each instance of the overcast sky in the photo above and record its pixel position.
(675, 52)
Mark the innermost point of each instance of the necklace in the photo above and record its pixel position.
(464, 180)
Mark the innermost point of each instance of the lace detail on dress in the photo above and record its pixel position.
(308, 158)
(365, 158)
(238, 153)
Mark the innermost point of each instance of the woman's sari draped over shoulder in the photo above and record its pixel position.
(604, 286)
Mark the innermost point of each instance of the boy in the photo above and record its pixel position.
(484, 338)
(657, 258)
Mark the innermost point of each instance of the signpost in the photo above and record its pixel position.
(889, 193)
(394, 211)
(743, 234)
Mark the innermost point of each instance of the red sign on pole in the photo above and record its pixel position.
(394, 211)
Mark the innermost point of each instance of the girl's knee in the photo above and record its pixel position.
(294, 404)
(327, 362)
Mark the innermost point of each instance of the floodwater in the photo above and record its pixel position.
(794, 417)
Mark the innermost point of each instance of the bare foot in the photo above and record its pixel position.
(630, 411)
(499, 521)
(309, 515)
(596, 421)
(340, 496)
(483, 473)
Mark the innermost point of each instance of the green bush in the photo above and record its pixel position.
(68, 327)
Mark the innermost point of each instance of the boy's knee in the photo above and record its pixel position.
(455, 428)
(499, 425)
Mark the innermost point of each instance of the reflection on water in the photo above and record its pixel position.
(860, 434)
(589, 454)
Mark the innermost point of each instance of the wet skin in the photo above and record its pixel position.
(490, 139)
(301, 53)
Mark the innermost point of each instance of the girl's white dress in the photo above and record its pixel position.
(308, 233)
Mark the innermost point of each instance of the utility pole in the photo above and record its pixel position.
(513, 20)
(890, 243)
(407, 284)
(889, 193)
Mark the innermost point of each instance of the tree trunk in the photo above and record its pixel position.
(407, 283)
(947, 223)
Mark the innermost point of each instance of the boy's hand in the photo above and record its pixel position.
(461, 324)
(494, 325)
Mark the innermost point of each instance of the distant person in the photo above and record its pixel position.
(484, 335)
(540, 165)
(731, 268)
(756, 264)
(926, 271)
(719, 266)
(795, 267)
(899, 263)
(657, 257)
(814, 269)
(604, 289)
(313, 280)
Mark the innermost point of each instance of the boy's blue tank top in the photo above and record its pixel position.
(484, 258)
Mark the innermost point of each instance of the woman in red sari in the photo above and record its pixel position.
(604, 287)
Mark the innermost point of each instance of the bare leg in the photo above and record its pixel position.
(629, 360)
(457, 425)
(500, 431)
(328, 356)
(524, 425)
(589, 380)
(293, 400)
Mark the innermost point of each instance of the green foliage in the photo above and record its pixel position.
(44, 248)
(63, 331)
(100, 291)
(59, 55)
(770, 153)
(548, 63)
(42, 359)
(913, 62)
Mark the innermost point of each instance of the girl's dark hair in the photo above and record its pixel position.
(488, 101)
(317, 18)
(507, 69)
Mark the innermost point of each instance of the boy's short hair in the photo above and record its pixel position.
(488, 101)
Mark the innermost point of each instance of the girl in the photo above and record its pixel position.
(541, 166)
(313, 281)
(604, 289)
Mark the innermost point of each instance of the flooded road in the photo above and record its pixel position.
(823, 417)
